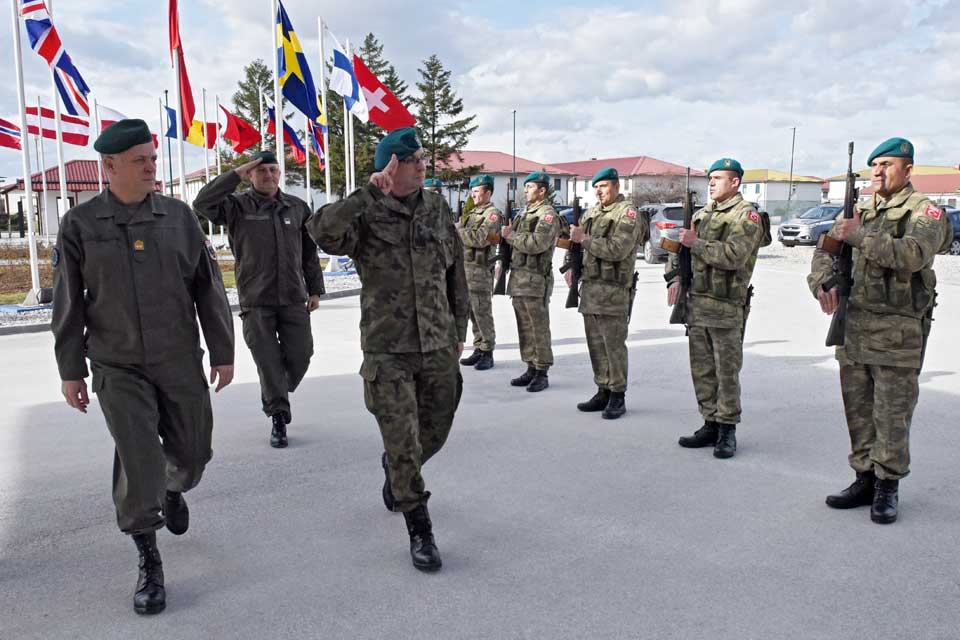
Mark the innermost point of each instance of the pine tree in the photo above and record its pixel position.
(443, 132)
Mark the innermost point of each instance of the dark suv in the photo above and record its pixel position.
(807, 228)
(954, 214)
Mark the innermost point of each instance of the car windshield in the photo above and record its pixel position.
(820, 212)
(673, 213)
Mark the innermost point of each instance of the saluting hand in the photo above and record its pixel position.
(244, 170)
(383, 180)
(224, 373)
(828, 300)
(75, 392)
(846, 227)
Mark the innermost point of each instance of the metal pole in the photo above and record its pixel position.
(278, 100)
(793, 143)
(346, 150)
(353, 149)
(25, 158)
(64, 201)
(513, 179)
(217, 99)
(306, 147)
(260, 117)
(323, 105)
(163, 165)
(44, 209)
(166, 103)
(96, 117)
(206, 156)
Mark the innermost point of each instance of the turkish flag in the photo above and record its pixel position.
(385, 109)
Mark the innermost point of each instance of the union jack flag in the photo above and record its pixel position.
(9, 134)
(45, 40)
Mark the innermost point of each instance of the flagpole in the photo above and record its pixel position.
(216, 98)
(263, 140)
(206, 157)
(323, 104)
(62, 205)
(96, 117)
(25, 161)
(44, 208)
(278, 100)
(179, 128)
(353, 149)
(162, 130)
(306, 148)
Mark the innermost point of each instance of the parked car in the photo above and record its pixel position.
(665, 221)
(954, 214)
(807, 228)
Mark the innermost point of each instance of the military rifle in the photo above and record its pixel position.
(504, 254)
(842, 253)
(679, 313)
(575, 264)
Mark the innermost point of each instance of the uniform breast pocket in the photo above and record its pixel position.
(103, 256)
(388, 230)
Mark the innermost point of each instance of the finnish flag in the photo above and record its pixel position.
(343, 80)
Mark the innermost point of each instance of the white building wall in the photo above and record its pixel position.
(628, 184)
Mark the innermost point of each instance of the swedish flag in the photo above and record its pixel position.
(296, 83)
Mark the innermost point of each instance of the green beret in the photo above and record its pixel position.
(482, 180)
(268, 157)
(539, 177)
(726, 164)
(608, 173)
(122, 135)
(402, 142)
(892, 148)
(433, 183)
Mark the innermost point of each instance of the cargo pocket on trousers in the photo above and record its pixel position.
(97, 378)
(368, 371)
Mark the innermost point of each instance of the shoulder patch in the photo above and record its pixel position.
(548, 217)
(632, 213)
(55, 257)
(753, 215)
(932, 212)
(493, 217)
(210, 250)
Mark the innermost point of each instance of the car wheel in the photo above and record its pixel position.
(955, 248)
(648, 256)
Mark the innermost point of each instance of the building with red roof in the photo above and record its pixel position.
(638, 174)
(506, 175)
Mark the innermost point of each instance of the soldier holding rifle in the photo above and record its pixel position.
(894, 237)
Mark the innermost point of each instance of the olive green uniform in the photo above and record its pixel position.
(277, 268)
(609, 255)
(730, 235)
(534, 238)
(889, 314)
(413, 313)
(129, 285)
(482, 223)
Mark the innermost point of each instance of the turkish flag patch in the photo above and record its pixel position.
(493, 217)
(932, 212)
(632, 214)
(548, 217)
(753, 215)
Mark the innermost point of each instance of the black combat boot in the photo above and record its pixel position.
(388, 500)
(176, 513)
(539, 382)
(278, 436)
(597, 403)
(885, 497)
(423, 549)
(471, 359)
(615, 407)
(726, 441)
(150, 596)
(485, 362)
(524, 379)
(858, 494)
(705, 436)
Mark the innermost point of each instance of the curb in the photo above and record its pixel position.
(15, 329)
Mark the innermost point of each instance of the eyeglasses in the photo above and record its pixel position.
(414, 159)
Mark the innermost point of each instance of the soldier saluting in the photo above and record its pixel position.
(413, 319)
(133, 272)
(279, 279)
(895, 237)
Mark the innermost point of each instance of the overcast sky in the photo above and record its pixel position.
(683, 81)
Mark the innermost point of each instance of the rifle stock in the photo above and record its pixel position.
(679, 313)
(576, 261)
(843, 263)
(504, 255)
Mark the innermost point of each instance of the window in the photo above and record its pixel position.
(513, 184)
(758, 188)
(556, 184)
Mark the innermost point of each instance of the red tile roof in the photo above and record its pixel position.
(497, 162)
(928, 184)
(81, 176)
(632, 166)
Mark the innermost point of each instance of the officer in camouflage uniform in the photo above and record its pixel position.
(132, 272)
(279, 279)
(433, 185)
(724, 241)
(480, 233)
(609, 233)
(895, 236)
(533, 237)
(413, 319)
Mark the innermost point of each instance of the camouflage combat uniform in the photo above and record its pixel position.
(413, 311)
(478, 226)
(534, 238)
(129, 283)
(888, 320)
(730, 235)
(609, 255)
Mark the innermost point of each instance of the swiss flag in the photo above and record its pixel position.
(385, 109)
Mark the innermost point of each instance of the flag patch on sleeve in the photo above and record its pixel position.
(753, 215)
(548, 217)
(632, 214)
(932, 212)
(493, 217)
(210, 250)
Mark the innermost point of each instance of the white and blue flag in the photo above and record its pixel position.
(343, 80)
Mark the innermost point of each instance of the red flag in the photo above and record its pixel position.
(385, 109)
(187, 108)
(9, 134)
(239, 132)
